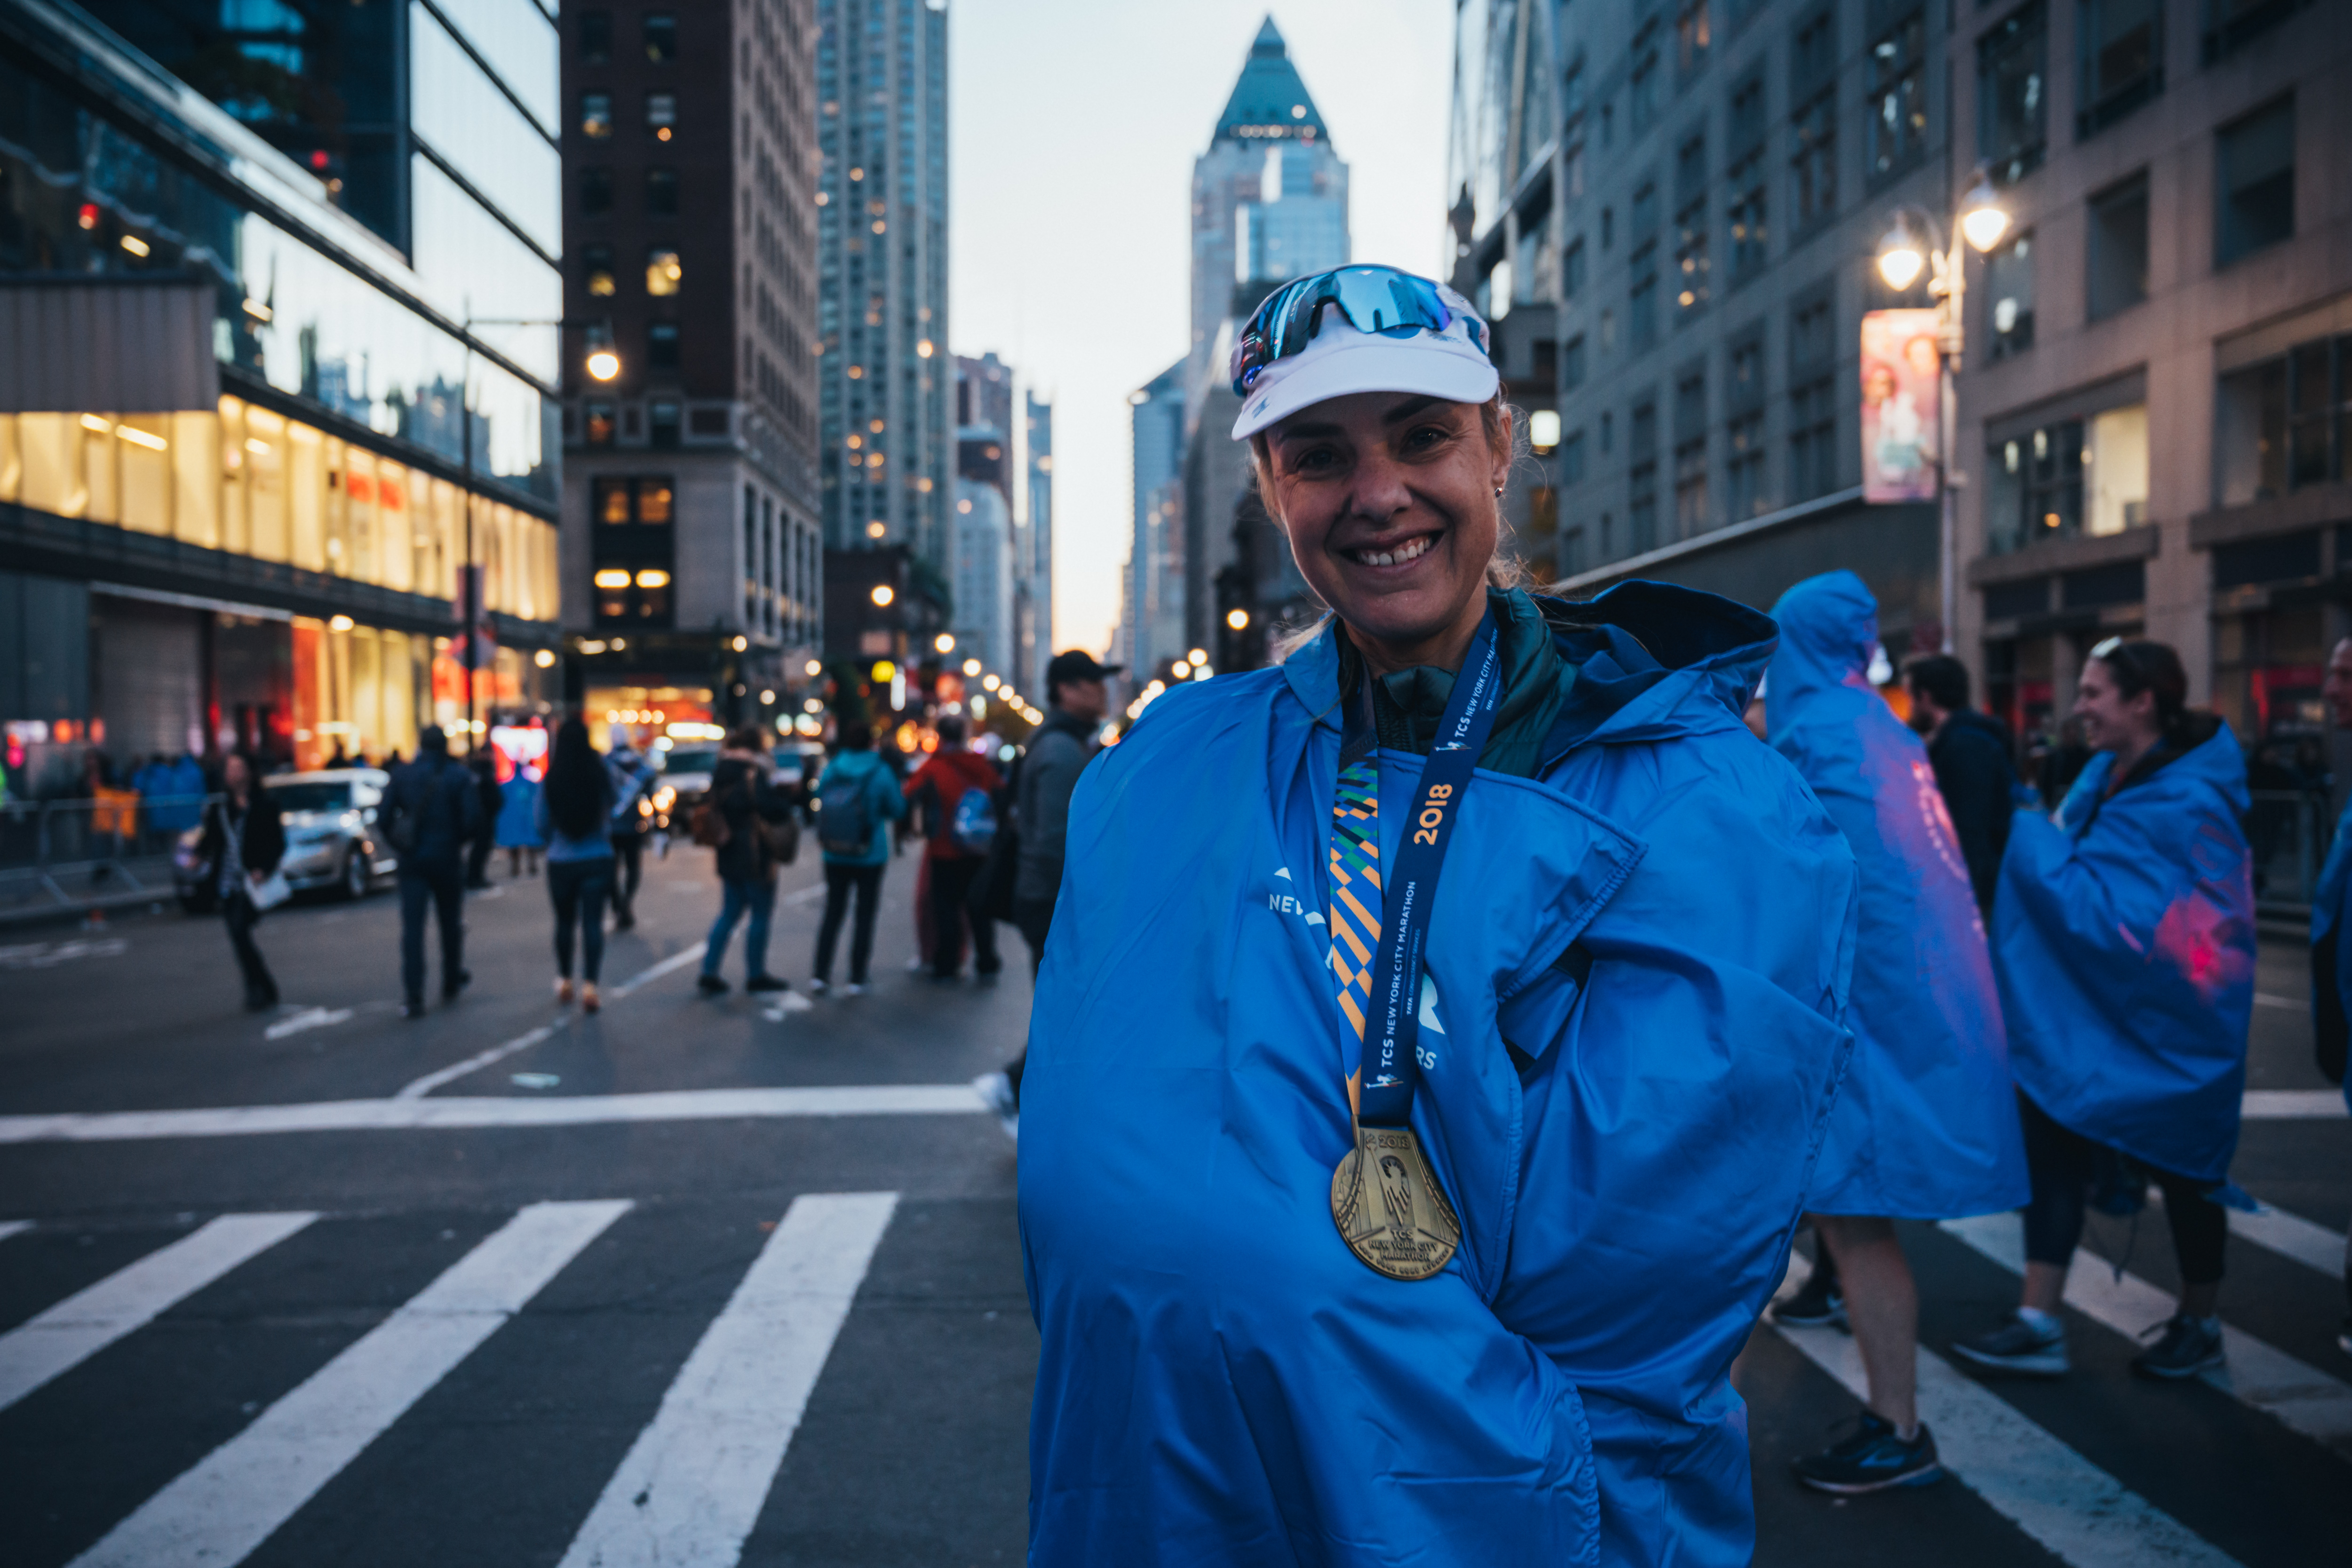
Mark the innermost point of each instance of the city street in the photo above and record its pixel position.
(511, 1286)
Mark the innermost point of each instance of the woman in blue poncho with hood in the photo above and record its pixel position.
(1926, 1122)
(1375, 1218)
(2124, 944)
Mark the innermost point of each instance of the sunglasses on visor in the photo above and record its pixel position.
(1381, 300)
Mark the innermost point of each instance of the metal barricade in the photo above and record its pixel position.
(67, 853)
(2289, 831)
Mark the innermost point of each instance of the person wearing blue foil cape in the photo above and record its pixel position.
(2124, 945)
(1610, 1035)
(1926, 1122)
(2331, 942)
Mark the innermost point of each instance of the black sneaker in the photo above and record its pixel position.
(2344, 1336)
(2188, 1348)
(2019, 1346)
(413, 1008)
(1817, 1305)
(711, 985)
(449, 988)
(1872, 1460)
(767, 983)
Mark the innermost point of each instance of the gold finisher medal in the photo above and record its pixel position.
(1387, 1204)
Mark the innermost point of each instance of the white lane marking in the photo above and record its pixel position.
(806, 896)
(466, 1111)
(308, 1018)
(790, 1002)
(676, 960)
(233, 1499)
(48, 955)
(2302, 1398)
(86, 1323)
(692, 1485)
(2050, 1491)
(419, 1088)
(2292, 1235)
(2265, 999)
(2293, 1104)
(9, 1227)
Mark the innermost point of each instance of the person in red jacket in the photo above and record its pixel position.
(962, 829)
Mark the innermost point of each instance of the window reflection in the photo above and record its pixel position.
(663, 272)
(661, 114)
(596, 115)
(596, 266)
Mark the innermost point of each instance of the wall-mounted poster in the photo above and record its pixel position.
(1902, 422)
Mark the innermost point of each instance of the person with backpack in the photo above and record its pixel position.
(961, 788)
(747, 823)
(857, 799)
(576, 820)
(431, 811)
(632, 780)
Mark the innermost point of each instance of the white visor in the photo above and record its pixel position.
(1340, 361)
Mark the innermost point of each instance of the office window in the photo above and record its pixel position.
(1644, 77)
(2315, 412)
(1608, 434)
(662, 422)
(1744, 131)
(1898, 97)
(1642, 304)
(657, 501)
(2255, 169)
(2068, 478)
(596, 115)
(661, 38)
(632, 550)
(1693, 36)
(1571, 459)
(1812, 399)
(1691, 515)
(2012, 102)
(1645, 211)
(2230, 25)
(661, 193)
(1691, 264)
(596, 270)
(2118, 253)
(600, 424)
(661, 114)
(662, 273)
(1571, 363)
(2119, 49)
(1571, 93)
(661, 346)
(1573, 556)
(1744, 389)
(1746, 216)
(2286, 423)
(609, 502)
(595, 191)
(1608, 226)
(1571, 270)
(1812, 122)
(1743, 469)
(595, 38)
(2008, 290)
(1641, 482)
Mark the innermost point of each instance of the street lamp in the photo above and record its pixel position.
(1914, 244)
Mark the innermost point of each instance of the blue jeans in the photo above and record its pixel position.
(760, 899)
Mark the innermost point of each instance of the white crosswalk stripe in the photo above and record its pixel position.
(88, 1321)
(2304, 1398)
(691, 1487)
(2070, 1506)
(2292, 1235)
(219, 1512)
(9, 1227)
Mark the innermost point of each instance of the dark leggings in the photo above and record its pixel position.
(2064, 1163)
(577, 890)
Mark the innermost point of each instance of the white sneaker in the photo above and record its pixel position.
(818, 987)
(995, 1091)
(853, 989)
(915, 963)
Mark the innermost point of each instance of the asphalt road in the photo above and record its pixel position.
(508, 1285)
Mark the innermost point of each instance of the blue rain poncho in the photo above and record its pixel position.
(2124, 944)
(1637, 966)
(2331, 944)
(1926, 1122)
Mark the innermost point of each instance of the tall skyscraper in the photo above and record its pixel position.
(1153, 616)
(984, 550)
(1035, 592)
(690, 203)
(1269, 204)
(883, 374)
(260, 416)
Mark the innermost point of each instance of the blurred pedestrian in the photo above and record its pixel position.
(151, 783)
(1059, 752)
(857, 799)
(483, 766)
(430, 811)
(2331, 942)
(2124, 944)
(741, 819)
(959, 788)
(517, 827)
(575, 819)
(244, 839)
(1925, 1122)
(1970, 754)
(632, 780)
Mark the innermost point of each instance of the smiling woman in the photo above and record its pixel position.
(1472, 1191)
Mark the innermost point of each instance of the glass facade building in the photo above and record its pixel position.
(331, 437)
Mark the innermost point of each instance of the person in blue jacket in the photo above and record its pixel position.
(1926, 1122)
(2331, 942)
(1370, 1217)
(2124, 945)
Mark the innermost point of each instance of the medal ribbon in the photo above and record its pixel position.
(1387, 977)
